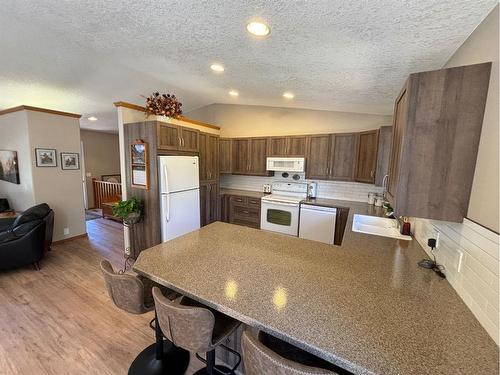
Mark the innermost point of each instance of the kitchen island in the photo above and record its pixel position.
(365, 306)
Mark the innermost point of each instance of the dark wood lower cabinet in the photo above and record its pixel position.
(241, 210)
(209, 203)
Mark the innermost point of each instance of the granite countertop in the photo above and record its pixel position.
(246, 193)
(365, 306)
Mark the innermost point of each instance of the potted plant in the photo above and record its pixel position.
(130, 211)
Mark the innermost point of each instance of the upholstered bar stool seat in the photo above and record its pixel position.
(260, 360)
(197, 328)
(134, 294)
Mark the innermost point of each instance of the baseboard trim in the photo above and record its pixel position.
(69, 239)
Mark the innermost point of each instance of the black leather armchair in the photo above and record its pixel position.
(24, 240)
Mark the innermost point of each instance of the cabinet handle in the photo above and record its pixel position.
(180, 142)
(372, 174)
(183, 142)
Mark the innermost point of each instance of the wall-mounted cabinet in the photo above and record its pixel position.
(367, 156)
(209, 156)
(437, 125)
(383, 154)
(249, 156)
(342, 163)
(289, 146)
(172, 137)
(332, 157)
(225, 155)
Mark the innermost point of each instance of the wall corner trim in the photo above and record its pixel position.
(180, 118)
(38, 109)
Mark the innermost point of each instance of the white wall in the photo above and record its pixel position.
(61, 189)
(14, 137)
(248, 121)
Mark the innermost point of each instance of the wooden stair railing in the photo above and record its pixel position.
(105, 191)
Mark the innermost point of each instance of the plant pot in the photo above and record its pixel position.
(132, 218)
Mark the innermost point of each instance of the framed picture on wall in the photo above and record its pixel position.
(9, 169)
(70, 161)
(45, 157)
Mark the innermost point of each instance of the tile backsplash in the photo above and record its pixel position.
(470, 255)
(351, 191)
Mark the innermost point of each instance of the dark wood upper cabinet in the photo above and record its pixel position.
(277, 146)
(383, 154)
(437, 126)
(209, 156)
(289, 146)
(317, 163)
(225, 155)
(177, 138)
(189, 139)
(240, 149)
(296, 146)
(168, 136)
(257, 156)
(342, 162)
(367, 156)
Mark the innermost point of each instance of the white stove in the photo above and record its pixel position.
(280, 210)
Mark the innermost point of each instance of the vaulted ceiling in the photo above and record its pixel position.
(81, 56)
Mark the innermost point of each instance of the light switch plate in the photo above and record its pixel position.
(66, 231)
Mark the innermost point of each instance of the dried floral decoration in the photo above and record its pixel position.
(163, 105)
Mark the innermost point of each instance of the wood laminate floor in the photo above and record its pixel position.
(60, 320)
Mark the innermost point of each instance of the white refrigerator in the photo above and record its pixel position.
(179, 195)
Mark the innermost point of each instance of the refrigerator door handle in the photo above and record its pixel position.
(165, 177)
(167, 207)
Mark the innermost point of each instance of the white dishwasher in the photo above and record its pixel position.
(317, 223)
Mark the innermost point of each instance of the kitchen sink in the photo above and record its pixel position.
(378, 226)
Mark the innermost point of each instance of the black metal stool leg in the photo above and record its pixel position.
(213, 369)
(160, 358)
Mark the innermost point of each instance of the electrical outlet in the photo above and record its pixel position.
(436, 237)
(460, 261)
(66, 231)
(127, 251)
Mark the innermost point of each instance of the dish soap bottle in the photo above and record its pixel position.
(406, 227)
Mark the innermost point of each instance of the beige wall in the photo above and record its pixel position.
(482, 46)
(14, 137)
(102, 156)
(61, 189)
(245, 120)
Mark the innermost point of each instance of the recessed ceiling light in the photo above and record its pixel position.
(234, 93)
(217, 67)
(288, 95)
(92, 118)
(258, 28)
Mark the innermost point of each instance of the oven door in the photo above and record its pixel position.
(280, 217)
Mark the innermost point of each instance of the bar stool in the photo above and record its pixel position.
(260, 360)
(133, 294)
(195, 327)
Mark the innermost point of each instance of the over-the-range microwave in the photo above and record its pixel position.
(286, 164)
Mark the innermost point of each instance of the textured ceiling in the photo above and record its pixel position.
(80, 56)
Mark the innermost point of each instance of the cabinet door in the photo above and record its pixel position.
(367, 156)
(277, 146)
(204, 202)
(213, 157)
(397, 138)
(214, 207)
(189, 139)
(296, 146)
(383, 154)
(258, 156)
(343, 156)
(169, 137)
(225, 147)
(240, 156)
(203, 155)
(317, 157)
